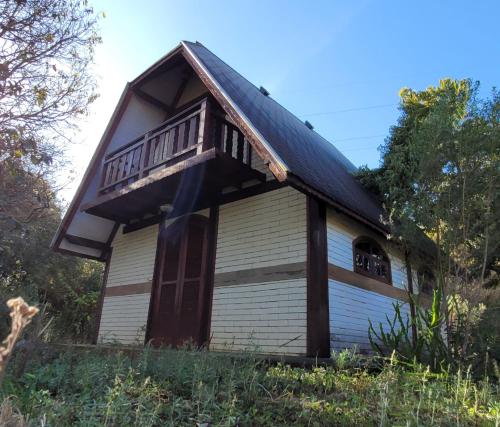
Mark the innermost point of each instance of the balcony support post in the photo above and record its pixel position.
(146, 150)
(204, 140)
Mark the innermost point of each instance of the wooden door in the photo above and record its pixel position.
(179, 287)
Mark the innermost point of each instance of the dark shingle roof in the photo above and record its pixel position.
(305, 154)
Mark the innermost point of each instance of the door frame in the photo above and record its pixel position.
(207, 282)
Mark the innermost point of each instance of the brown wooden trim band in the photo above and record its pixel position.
(275, 273)
(318, 310)
(352, 278)
(133, 289)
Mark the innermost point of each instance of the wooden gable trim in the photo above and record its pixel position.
(150, 72)
(318, 317)
(260, 145)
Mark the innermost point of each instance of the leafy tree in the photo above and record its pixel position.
(46, 48)
(46, 85)
(67, 286)
(440, 174)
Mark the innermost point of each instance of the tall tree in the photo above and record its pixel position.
(46, 49)
(440, 175)
(46, 85)
(440, 172)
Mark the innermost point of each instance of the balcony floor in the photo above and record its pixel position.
(188, 186)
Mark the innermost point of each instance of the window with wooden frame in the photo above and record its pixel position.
(371, 260)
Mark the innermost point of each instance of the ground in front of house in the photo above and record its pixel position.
(189, 388)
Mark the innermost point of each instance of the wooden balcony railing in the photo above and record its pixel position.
(185, 135)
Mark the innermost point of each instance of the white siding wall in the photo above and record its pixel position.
(133, 257)
(269, 316)
(351, 307)
(261, 231)
(124, 318)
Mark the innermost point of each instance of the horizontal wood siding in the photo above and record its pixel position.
(133, 257)
(350, 306)
(350, 309)
(341, 232)
(264, 230)
(124, 317)
(261, 231)
(269, 317)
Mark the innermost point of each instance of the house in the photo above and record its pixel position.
(226, 221)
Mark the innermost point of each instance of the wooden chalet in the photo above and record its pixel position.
(226, 221)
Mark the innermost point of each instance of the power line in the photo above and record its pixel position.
(371, 107)
(359, 137)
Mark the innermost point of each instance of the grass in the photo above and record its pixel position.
(189, 388)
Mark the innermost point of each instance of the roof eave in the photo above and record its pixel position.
(75, 202)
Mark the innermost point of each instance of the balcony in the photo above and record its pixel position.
(186, 160)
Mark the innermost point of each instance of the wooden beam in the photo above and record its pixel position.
(100, 302)
(352, 278)
(143, 223)
(275, 273)
(208, 290)
(152, 100)
(221, 199)
(181, 89)
(88, 243)
(318, 324)
(156, 272)
(132, 289)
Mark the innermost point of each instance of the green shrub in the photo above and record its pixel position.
(187, 387)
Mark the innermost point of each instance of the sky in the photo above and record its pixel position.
(338, 64)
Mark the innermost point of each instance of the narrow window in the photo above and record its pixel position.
(371, 260)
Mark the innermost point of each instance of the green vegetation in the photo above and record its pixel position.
(47, 85)
(438, 180)
(191, 388)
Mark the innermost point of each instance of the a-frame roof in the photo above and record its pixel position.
(305, 157)
(295, 153)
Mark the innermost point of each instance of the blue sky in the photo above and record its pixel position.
(339, 65)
